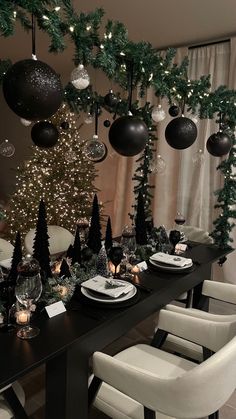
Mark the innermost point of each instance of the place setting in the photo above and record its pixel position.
(170, 263)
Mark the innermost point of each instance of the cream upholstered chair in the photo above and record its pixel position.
(210, 289)
(196, 234)
(146, 382)
(6, 249)
(59, 240)
(12, 400)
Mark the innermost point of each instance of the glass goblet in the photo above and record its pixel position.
(116, 256)
(28, 290)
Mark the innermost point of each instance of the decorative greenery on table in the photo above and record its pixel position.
(111, 50)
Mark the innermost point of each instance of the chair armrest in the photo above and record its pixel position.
(220, 291)
(194, 312)
(208, 333)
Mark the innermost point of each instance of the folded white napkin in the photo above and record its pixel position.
(173, 260)
(101, 285)
(6, 263)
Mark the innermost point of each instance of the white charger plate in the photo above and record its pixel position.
(105, 299)
(169, 267)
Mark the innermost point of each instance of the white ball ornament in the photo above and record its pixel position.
(25, 122)
(80, 78)
(158, 114)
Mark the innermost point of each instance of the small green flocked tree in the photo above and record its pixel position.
(94, 235)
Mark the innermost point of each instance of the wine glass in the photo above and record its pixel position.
(128, 242)
(116, 256)
(174, 238)
(28, 290)
(179, 221)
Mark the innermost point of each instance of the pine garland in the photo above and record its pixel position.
(111, 51)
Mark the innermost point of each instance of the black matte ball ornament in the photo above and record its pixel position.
(65, 125)
(128, 135)
(107, 123)
(174, 110)
(32, 89)
(110, 99)
(181, 133)
(219, 144)
(44, 134)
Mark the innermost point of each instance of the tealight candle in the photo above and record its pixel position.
(63, 290)
(22, 317)
(112, 268)
(135, 269)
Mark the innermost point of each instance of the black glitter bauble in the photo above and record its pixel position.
(106, 123)
(110, 99)
(128, 135)
(181, 133)
(44, 134)
(219, 144)
(103, 157)
(65, 125)
(32, 89)
(174, 110)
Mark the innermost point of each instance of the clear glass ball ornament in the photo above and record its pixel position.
(88, 118)
(94, 149)
(70, 156)
(158, 165)
(198, 158)
(158, 114)
(79, 77)
(7, 149)
(25, 122)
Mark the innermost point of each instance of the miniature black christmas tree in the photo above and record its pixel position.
(140, 222)
(64, 270)
(41, 242)
(102, 263)
(76, 254)
(108, 235)
(94, 235)
(16, 258)
(69, 252)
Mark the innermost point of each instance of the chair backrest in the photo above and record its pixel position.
(196, 234)
(6, 249)
(59, 240)
(196, 393)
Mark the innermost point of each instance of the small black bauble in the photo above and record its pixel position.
(174, 110)
(128, 135)
(65, 125)
(219, 144)
(110, 99)
(44, 134)
(32, 89)
(181, 133)
(106, 123)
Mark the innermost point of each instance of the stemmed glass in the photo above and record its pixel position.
(128, 242)
(179, 221)
(28, 290)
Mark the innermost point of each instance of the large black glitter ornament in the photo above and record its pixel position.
(44, 134)
(181, 133)
(32, 89)
(219, 144)
(128, 135)
(110, 99)
(174, 110)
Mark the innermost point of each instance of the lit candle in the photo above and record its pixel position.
(135, 269)
(112, 268)
(63, 290)
(56, 267)
(22, 317)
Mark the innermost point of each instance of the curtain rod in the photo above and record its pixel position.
(207, 44)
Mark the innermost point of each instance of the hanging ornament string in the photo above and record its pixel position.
(33, 37)
(183, 106)
(96, 118)
(130, 67)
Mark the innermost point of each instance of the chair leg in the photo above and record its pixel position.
(189, 300)
(159, 338)
(149, 414)
(214, 415)
(14, 403)
(93, 389)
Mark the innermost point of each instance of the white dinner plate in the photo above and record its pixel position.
(169, 267)
(104, 299)
(6, 263)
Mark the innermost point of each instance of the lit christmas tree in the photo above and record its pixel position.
(62, 176)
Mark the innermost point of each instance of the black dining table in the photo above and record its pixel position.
(67, 341)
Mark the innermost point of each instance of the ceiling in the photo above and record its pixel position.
(162, 22)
